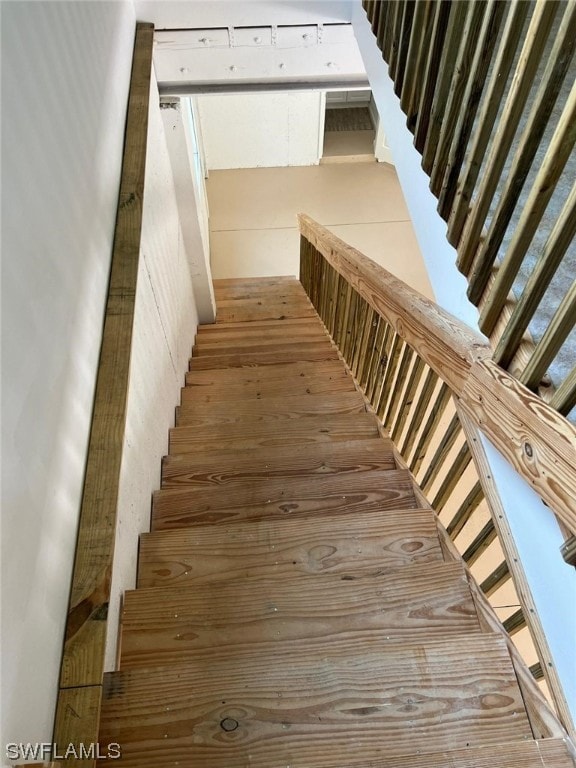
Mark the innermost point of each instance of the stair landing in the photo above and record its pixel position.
(294, 608)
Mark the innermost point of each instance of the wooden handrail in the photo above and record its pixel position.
(81, 674)
(536, 440)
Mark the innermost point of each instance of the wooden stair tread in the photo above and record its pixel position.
(233, 346)
(250, 309)
(546, 753)
(276, 409)
(300, 353)
(284, 708)
(258, 389)
(247, 332)
(280, 548)
(220, 467)
(328, 369)
(260, 434)
(162, 625)
(344, 493)
(290, 325)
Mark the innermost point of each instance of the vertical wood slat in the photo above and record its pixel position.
(364, 369)
(416, 419)
(547, 348)
(415, 55)
(388, 356)
(556, 245)
(379, 25)
(470, 50)
(408, 398)
(398, 67)
(85, 635)
(442, 11)
(397, 387)
(514, 25)
(480, 544)
(395, 33)
(466, 110)
(360, 347)
(503, 136)
(564, 399)
(460, 463)
(528, 145)
(436, 412)
(451, 434)
(465, 511)
(374, 366)
(386, 392)
(456, 23)
(547, 178)
(499, 576)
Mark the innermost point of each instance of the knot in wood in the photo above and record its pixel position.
(528, 450)
(229, 724)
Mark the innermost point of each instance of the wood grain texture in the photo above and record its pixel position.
(85, 635)
(221, 467)
(287, 710)
(543, 721)
(250, 309)
(226, 345)
(549, 753)
(243, 387)
(277, 409)
(164, 625)
(514, 565)
(279, 548)
(301, 353)
(538, 442)
(448, 346)
(77, 721)
(345, 493)
(290, 324)
(330, 369)
(260, 346)
(260, 434)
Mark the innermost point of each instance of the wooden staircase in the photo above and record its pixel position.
(296, 606)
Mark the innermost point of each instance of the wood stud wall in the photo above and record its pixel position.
(465, 72)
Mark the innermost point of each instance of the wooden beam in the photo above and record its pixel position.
(85, 637)
(529, 611)
(536, 440)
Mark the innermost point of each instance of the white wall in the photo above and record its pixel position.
(66, 71)
(164, 327)
(262, 130)
(174, 14)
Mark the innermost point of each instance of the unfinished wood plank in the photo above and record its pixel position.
(276, 408)
(535, 439)
(300, 353)
(291, 708)
(548, 753)
(278, 548)
(297, 379)
(448, 346)
(251, 346)
(247, 332)
(543, 721)
(263, 310)
(343, 494)
(290, 324)
(77, 723)
(260, 434)
(221, 467)
(168, 625)
(85, 635)
(514, 565)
